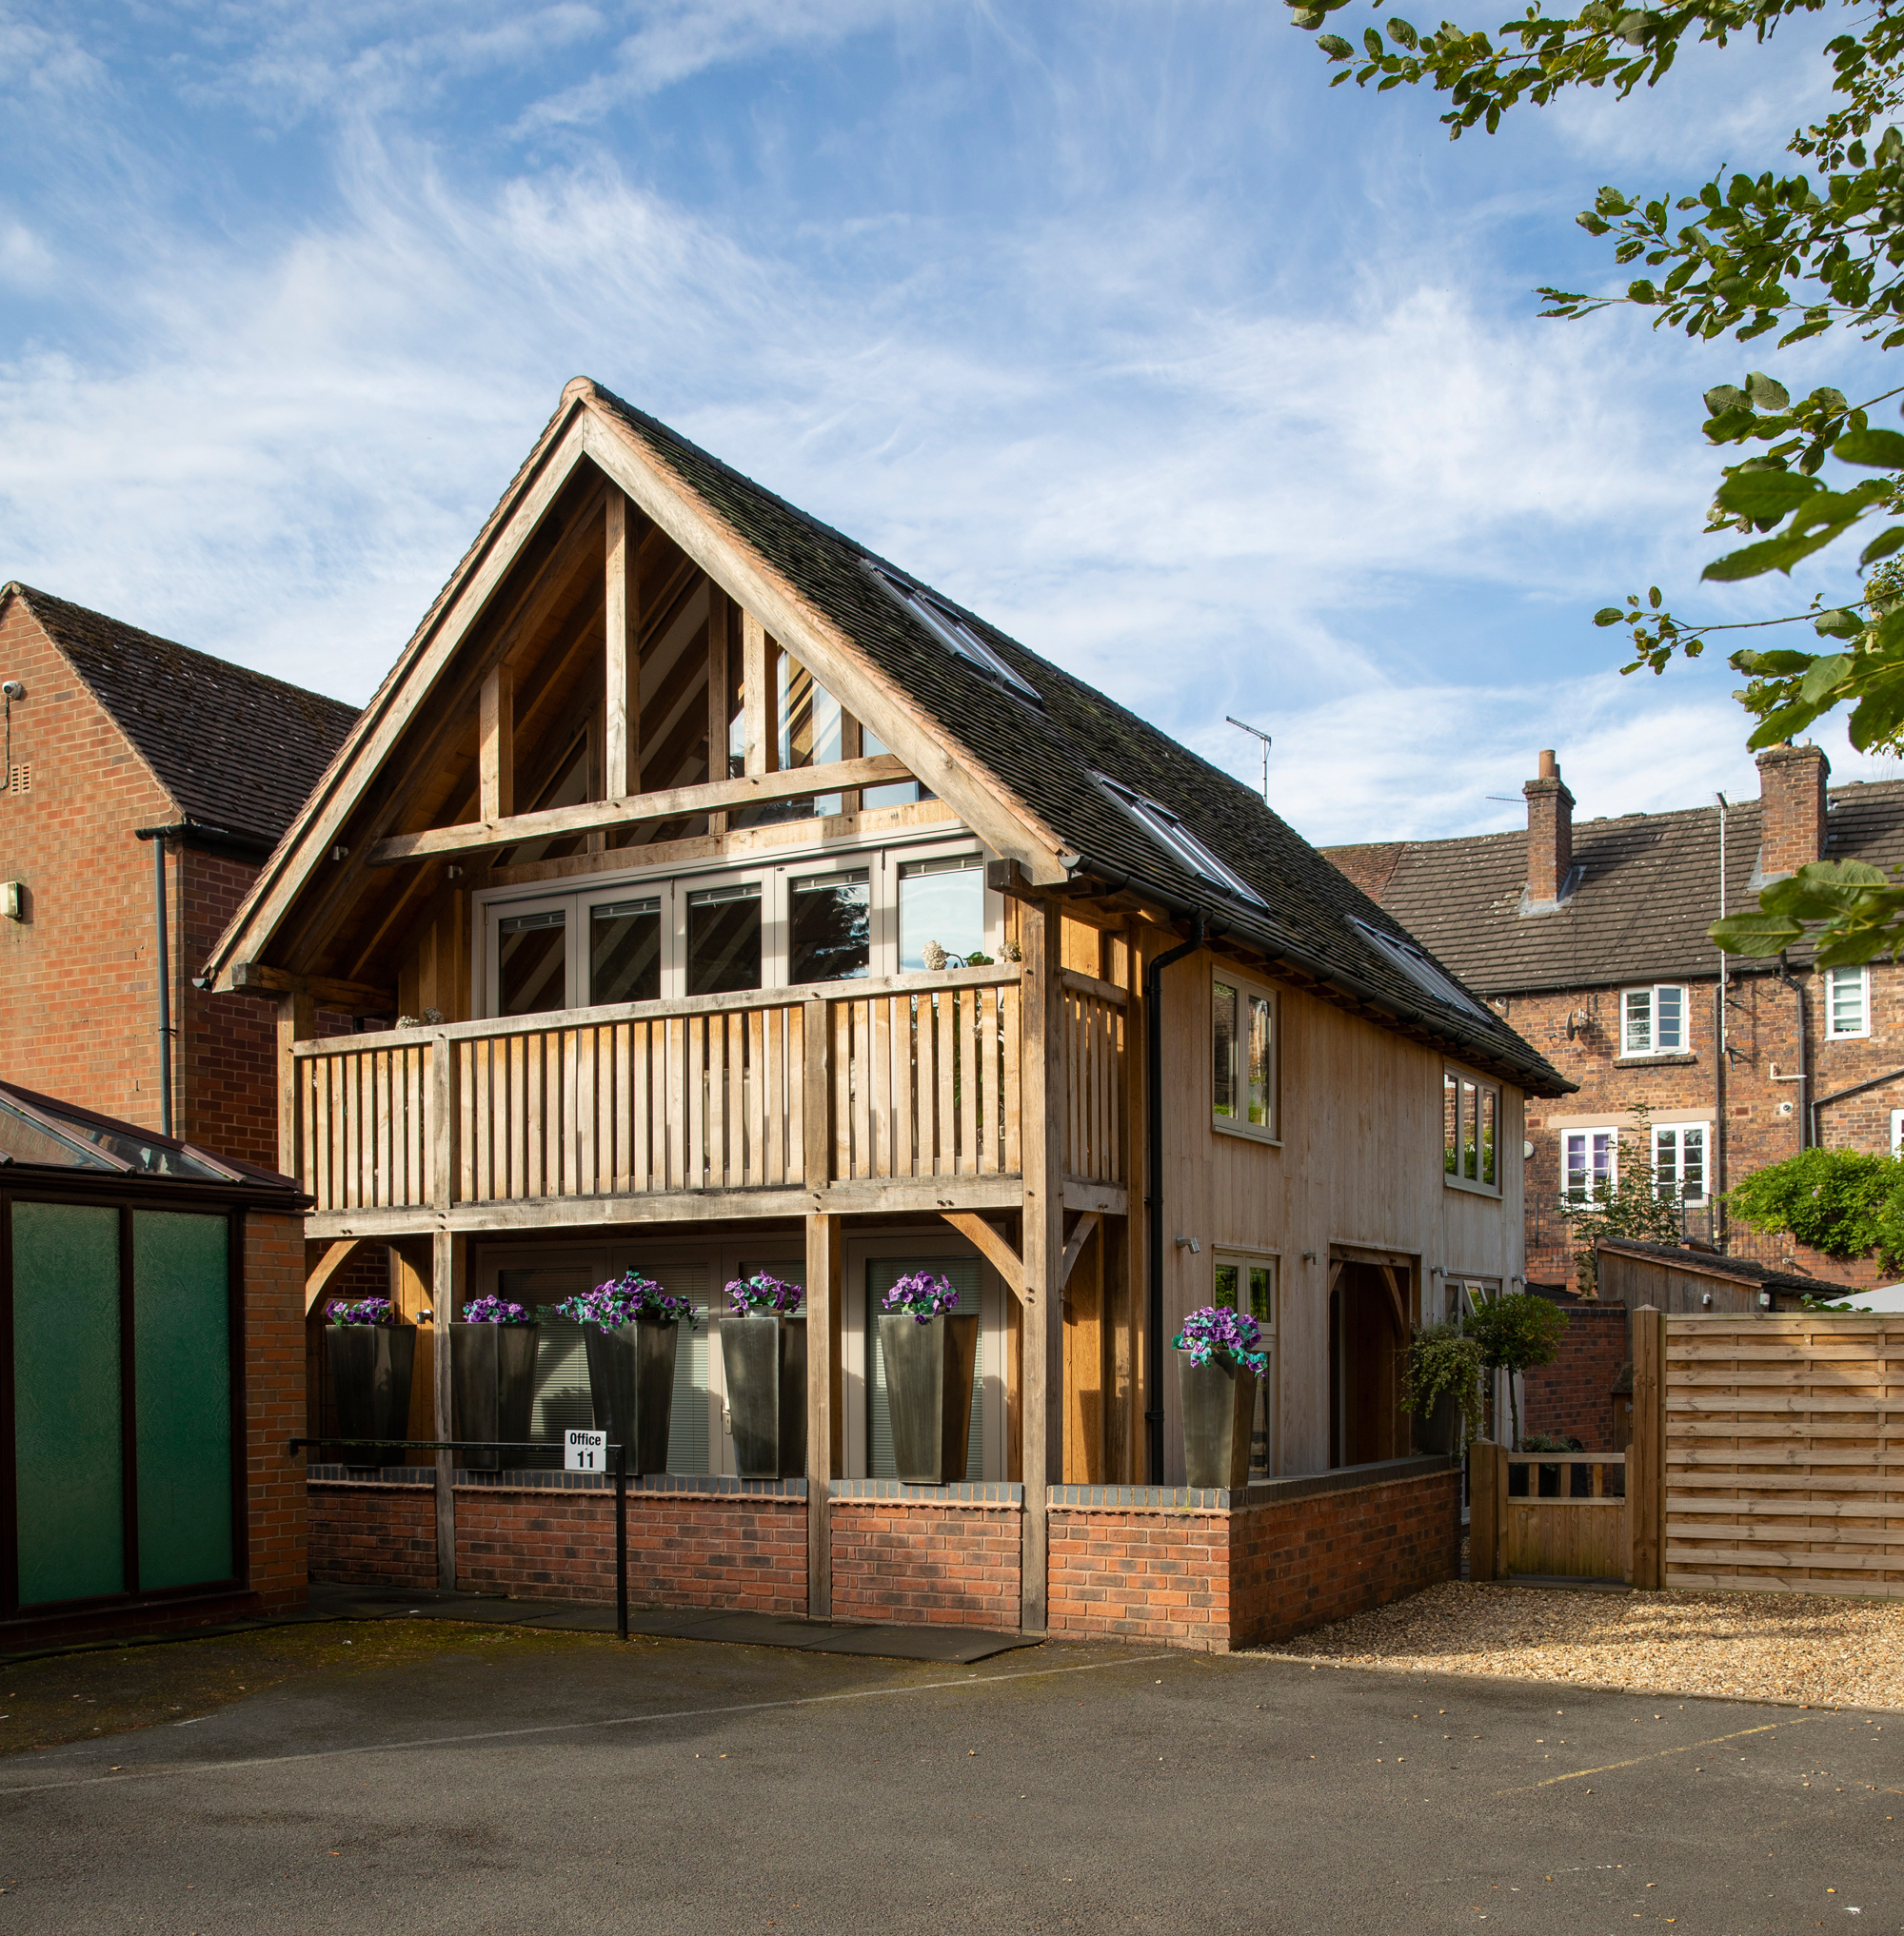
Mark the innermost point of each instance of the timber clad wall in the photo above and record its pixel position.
(1574, 1396)
(924, 1564)
(274, 1407)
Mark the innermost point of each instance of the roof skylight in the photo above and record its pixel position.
(1170, 832)
(1420, 970)
(956, 637)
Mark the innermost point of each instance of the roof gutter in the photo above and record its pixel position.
(1328, 976)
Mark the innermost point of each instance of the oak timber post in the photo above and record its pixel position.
(448, 1256)
(719, 684)
(297, 1022)
(496, 745)
(621, 710)
(1043, 1109)
(824, 1436)
(1646, 1456)
(758, 697)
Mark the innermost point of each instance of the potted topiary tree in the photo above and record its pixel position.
(373, 1354)
(1441, 1386)
(492, 1364)
(764, 1359)
(1220, 1360)
(630, 1327)
(931, 1355)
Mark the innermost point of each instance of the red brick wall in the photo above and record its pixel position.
(924, 1563)
(1253, 1575)
(228, 1047)
(738, 1551)
(1573, 1396)
(274, 1407)
(78, 1011)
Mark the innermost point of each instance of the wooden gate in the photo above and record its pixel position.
(1576, 1530)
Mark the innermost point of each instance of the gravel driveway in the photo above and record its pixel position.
(1820, 1649)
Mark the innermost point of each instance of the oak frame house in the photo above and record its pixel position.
(701, 1016)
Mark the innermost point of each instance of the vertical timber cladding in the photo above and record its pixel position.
(122, 1402)
(1784, 1453)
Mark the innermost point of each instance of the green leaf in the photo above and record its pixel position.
(1335, 46)
(1825, 678)
(1882, 450)
(1641, 291)
(1766, 392)
(1608, 615)
(1841, 624)
(1754, 934)
(1882, 546)
(1766, 494)
(1771, 554)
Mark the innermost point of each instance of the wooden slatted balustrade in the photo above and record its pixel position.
(1095, 1024)
(707, 1093)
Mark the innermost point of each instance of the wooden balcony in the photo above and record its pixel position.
(896, 1094)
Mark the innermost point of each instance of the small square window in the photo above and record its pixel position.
(1244, 1049)
(1847, 1002)
(1652, 1020)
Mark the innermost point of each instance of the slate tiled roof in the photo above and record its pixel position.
(1646, 891)
(1046, 757)
(235, 749)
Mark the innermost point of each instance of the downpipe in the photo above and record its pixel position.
(1153, 1195)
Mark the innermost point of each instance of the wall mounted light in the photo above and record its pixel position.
(1189, 1243)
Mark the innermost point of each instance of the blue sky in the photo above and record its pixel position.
(1222, 388)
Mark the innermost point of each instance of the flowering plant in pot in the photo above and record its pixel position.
(372, 1356)
(1220, 1359)
(930, 1355)
(764, 1360)
(492, 1367)
(630, 1327)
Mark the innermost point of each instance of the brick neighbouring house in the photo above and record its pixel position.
(119, 733)
(1592, 941)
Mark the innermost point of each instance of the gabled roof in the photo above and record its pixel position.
(236, 750)
(841, 609)
(1731, 1269)
(1646, 890)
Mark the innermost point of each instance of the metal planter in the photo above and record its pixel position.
(1442, 1430)
(370, 1370)
(764, 1359)
(929, 1370)
(492, 1385)
(1219, 1401)
(631, 1382)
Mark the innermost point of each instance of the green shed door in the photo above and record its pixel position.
(182, 1358)
(67, 1418)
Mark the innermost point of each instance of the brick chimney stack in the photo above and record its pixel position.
(1792, 808)
(1550, 833)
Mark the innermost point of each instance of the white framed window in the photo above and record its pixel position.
(1679, 1160)
(1589, 1163)
(1470, 1131)
(1244, 1042)
(1246, 1281)
(1847, 1004)
(770, 923)
(1652, 1020)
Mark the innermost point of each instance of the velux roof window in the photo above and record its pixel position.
(1416, 966)
(956, 635)
(1177, 839)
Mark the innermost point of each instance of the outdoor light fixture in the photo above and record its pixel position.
(1191, 1243)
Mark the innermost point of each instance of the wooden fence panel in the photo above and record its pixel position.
(1784, 1453)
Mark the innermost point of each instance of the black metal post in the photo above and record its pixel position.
(622, 1542)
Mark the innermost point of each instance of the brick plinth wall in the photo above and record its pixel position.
(743, 1550)
(927, 1560)
(277, 1560)
(1247, 1568)
(1574, 1396)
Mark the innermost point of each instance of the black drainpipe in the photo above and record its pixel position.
(1804, 1074)
(164, 976)
(1153, 1197)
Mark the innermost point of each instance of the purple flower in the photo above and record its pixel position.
(763, 1294)
(1217, 1332)
(495, 1311)
(622, 1300)
(366, 1311)
(924, 1295)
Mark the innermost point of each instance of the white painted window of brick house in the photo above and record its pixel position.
(1590, 1163)
(1679, 1160)
(1847, 1004)
(1652, 1020)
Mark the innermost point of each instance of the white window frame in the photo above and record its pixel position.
(1677, 1131)
(1585, 1134)
(1897, 1132)
(1463, 1080)
(1833, 979)
(1269, 1394)
(1248, 990)
(775, 870)
(1653, 991)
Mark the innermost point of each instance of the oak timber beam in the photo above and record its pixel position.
(327, 1267)
(496, 745)
(340, 997)
(594, 815)
(1074, 1249)
(987, 1241)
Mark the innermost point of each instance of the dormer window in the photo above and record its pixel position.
(1169, 832)
(957, 637)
